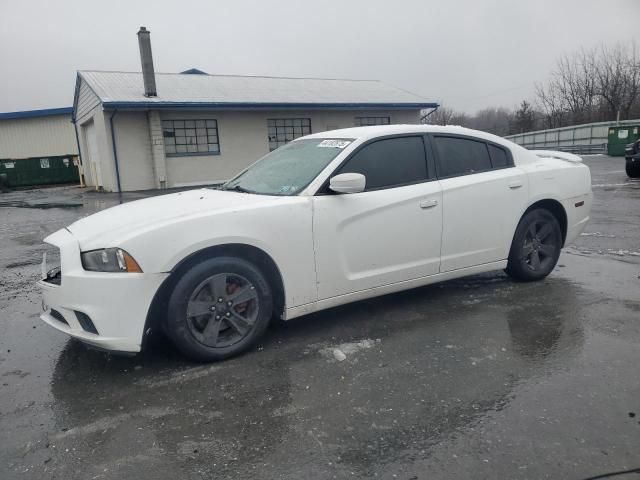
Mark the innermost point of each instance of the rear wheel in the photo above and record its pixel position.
(536, 246)
(633, 169)
(219, 308)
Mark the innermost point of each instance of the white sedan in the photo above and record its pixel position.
(327, 219)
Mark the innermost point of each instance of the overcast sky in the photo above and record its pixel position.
(466, 54)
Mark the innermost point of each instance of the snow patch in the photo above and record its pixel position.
(339, 355)
(179, 376)
(340, 352)
(610, 184)
(622, 253)
(596, 234)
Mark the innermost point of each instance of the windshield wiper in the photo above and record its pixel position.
(238, 188)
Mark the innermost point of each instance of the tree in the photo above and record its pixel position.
(592, 85)
(524, 120)
(492, 120)
(618, 78)
(447, 116)
(552, 105)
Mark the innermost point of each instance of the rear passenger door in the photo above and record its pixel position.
(484, 195)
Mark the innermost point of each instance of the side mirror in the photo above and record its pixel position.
(348, 183)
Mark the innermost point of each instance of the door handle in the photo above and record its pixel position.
(516, 184)
(428, 203)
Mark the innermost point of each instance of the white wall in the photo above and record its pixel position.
(87, 101)
(37, 137)
(103, 175)
(242, 135)
(134, 150)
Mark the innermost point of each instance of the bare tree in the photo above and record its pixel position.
(575, 81)
(447, 116)
(550, 101)
(586, 86)
(492, 120)
(591, 85)
(618, 78)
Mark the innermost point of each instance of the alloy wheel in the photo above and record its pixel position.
(222, 310)
(540, 245)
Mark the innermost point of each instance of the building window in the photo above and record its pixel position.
(366, 121)
(190, 137)
(283, 130)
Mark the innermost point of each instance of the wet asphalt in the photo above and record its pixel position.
(475, 378)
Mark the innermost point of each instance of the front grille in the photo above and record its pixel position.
(54, 276)
(58, 316)
(52, 265)
(85, 322)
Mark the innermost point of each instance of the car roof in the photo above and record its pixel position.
(366, 133)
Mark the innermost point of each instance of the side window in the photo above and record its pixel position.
(461, 156)
(390, 162)
(499, 157)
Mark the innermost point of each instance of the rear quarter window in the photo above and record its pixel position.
(461, 156)
(499, 157)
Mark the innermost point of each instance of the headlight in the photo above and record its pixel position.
(109, 260)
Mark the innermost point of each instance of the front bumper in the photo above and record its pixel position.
(116, 303)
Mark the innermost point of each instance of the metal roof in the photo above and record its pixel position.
(125, 90)
(47, 112)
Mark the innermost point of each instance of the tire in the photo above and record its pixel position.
(218, 308)
(535, 247)
(633, 169)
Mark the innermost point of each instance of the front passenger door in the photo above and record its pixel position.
(386, 234)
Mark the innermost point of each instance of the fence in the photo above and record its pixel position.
(581, 139)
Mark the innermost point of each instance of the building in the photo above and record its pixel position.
(38, 147)
(145, 130)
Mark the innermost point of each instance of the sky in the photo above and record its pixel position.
(465, 54)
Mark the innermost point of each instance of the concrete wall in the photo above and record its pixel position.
(576, 135)
(46, 136)
(242, 136)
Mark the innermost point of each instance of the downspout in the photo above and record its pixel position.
(423, 119)
(115, 151)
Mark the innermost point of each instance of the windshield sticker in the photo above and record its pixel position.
(334, 143)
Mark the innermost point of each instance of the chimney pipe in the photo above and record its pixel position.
(148, 75)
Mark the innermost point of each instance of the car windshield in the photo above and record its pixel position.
(288, 169)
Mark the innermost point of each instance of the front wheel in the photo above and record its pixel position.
(219, 308)
(536, 246)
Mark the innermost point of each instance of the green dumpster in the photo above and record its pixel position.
(619, 137)
(40, 171)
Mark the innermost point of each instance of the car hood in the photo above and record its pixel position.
(110, 227)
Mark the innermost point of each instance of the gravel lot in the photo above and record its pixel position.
(475, 378)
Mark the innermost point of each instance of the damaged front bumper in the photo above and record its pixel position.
(104, 309)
